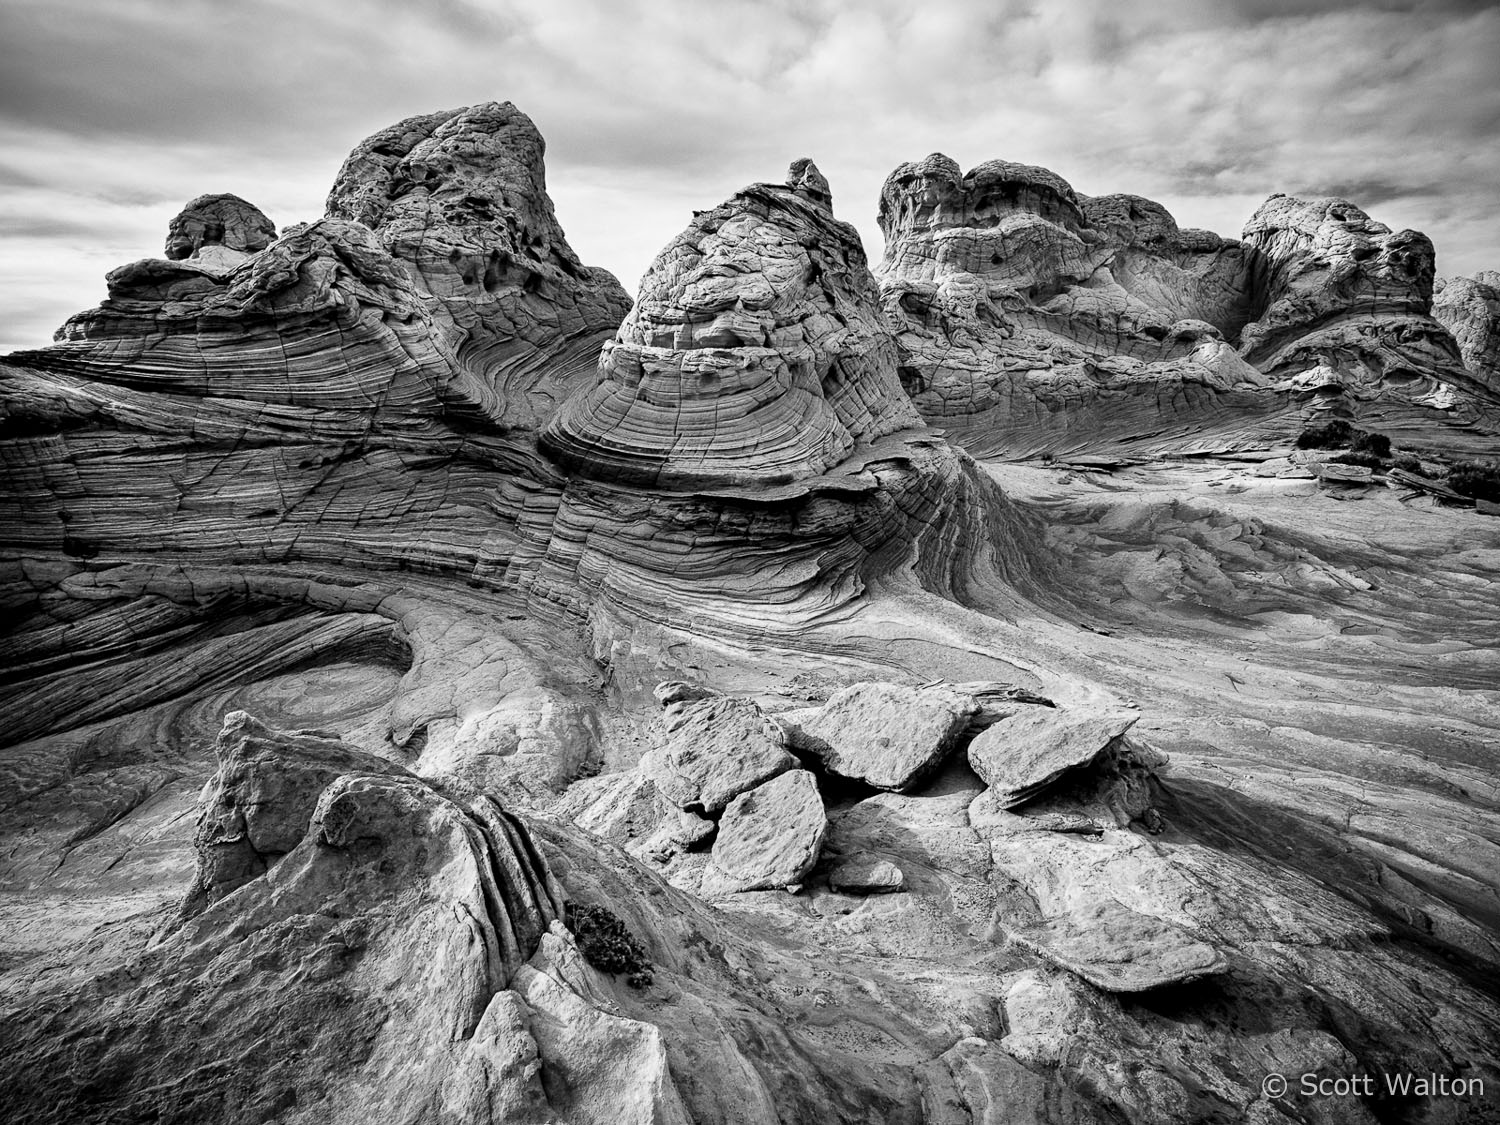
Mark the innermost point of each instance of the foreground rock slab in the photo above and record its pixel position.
(887, 735)
(714, 750)
(1023, 756)
(769, 837)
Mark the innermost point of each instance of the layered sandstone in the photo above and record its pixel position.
(755, 353)
(363, 642)
(1032, 318)
(461, 198)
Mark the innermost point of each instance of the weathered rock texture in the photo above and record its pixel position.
(886, 735)
(358, 493)
(461, 198)
(1031, 318)
(223, 221)
(755, 353)
(1469, 308)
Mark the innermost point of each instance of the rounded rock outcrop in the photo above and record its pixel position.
(218, 220)
(756, 353)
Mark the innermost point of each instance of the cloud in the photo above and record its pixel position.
(113, 115)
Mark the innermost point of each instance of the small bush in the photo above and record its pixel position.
(1479, 479)
(607, 945)
(1368, 460)
(1335, 435)
(1409, 462)
(1378, 445)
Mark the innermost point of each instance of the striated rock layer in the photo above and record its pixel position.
(1034, 319)
(403, 725)
(755, 353)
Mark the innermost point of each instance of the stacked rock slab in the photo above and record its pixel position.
(889, 736)
(1023, 756)
(1469, 308)
(712, 751)
(755, 354)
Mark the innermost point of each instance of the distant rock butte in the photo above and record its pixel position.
(1031, 318)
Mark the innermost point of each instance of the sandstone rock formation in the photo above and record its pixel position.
(358, 632)
(461, 198)
(1034, 319)
(1469, 308)
(755, 353)
(222, 221)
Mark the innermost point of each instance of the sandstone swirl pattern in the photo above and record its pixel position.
(755, 354)
(389, 616)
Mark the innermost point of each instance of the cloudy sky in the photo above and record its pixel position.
(114, 113)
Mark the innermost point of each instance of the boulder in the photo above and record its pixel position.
(257, 806)
(713, 750)
(890, 736)
(1021, 757)
(769, 837)
(865, 874)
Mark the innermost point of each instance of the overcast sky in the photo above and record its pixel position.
(114, 113)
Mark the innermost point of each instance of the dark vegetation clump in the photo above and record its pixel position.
(1409, 462)
(1335, 435)
(1364, 448)
(607, 945)
(1377, 445)
(1478, 479)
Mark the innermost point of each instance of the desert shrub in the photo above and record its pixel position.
(1479, 479)
(607, 945)
(1334, 435)
(1368, 460)
(1377, 445)
(1409, 462)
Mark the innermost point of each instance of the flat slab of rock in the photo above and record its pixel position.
(1020, 757)
(714, 750)
(1119, 949)
(865, 874)
(769, 837)
(887, 735)
(1330, 473)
